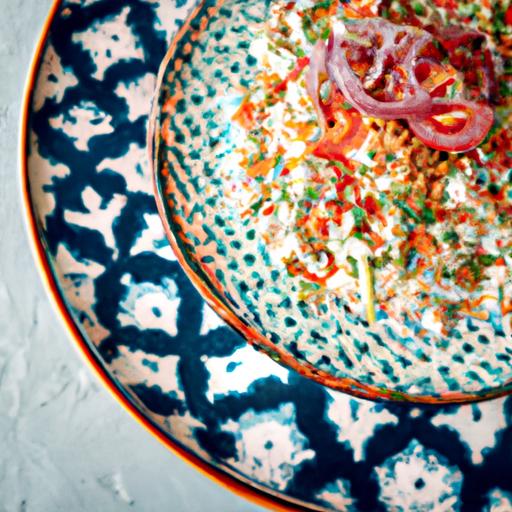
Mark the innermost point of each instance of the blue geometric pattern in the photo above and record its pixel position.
(189, 373)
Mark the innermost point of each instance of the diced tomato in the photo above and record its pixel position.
(422, 241)
(449, 5)
(293, 75)
(370, 205)
(322, 226)
(268, 210)
(335, 210)
(337, 171)
(508, 16)
(330, 150)
(500, 262)
(441, 90)
(440, 214)
(341, 134)
(244, 116)
(345, 181)
(377, 240)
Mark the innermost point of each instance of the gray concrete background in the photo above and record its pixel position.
(65, 444)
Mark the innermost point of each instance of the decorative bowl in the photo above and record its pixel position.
(416, 326)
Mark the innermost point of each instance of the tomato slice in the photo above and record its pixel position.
(344, 130)
(454, 125)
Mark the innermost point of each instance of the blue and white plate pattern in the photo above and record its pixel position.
(188, 373)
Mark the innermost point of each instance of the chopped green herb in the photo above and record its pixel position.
(407, 209)
(487, 259)
(311, 193)
(257, 205)
(450, 237)
(325, 33)
(418, 8)
(325, 4)
(446, 273)
(363, 169)
(428, 215)
(354, 269)
(359, 215)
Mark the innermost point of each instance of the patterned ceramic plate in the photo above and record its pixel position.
(310, 247)
(192, 381)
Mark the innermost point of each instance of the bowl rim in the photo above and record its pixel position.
(237, 484)
(213, 296)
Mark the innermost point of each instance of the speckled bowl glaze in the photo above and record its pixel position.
(202, 81)
(259, 429)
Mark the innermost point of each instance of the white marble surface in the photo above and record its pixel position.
(65, 443)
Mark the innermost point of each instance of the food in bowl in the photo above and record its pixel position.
(368, 163)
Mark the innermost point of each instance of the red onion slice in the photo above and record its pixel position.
(389, 41)
(416, 101)
(317, 67)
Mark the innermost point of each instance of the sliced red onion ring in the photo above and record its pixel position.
(317, 67)
(416, 101)
(386, 47)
